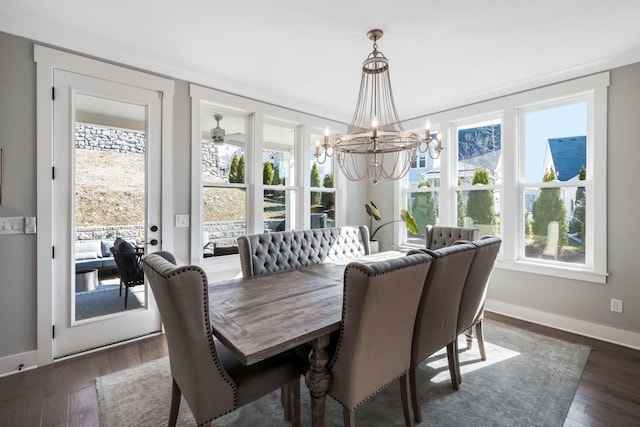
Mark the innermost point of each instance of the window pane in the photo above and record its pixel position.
(424, 168)
(223, 159)
(555, 138)
(323, 212)
(279, 210)
(424, 206)
(322, 202)
(479, 209)
(224, 219)
(479, 151)
(555, 223)
(278, 155)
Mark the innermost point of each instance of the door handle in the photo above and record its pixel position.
(154, 228)
(153, 242)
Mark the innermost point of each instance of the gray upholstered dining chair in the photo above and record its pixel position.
(292, 249)
(380, 301)
(471, 311)
(437, 317)
(213, 381)
(441, 236)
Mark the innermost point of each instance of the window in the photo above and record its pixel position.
(479, 174)
(323, 192)
(529, 167)
(224, 188)
(279, 176)
(251, 174)
(422, 194)
(555, 181)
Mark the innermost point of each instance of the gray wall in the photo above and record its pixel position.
(574, 299)
(181, 163)
(18, 143)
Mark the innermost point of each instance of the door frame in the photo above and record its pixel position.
(47, 60)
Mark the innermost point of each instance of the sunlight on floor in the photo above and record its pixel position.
(469, 359)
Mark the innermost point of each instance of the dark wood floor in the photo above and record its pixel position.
(63, 394)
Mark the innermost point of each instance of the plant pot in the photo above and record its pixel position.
(374, 246)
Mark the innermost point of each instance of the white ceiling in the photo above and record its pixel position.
(307, 55)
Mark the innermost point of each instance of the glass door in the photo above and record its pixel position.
(107, 211)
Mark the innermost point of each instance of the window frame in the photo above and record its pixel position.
(594, 88)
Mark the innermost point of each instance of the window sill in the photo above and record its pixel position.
(552, 270)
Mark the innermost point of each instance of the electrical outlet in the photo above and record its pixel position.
(616, 305)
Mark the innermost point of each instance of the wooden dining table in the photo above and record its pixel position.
(261, 316)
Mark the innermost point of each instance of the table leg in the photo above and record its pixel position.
(318, 379)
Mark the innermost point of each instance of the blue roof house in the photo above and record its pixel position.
(566, 156)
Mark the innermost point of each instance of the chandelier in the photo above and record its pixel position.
(376, 146)
(217, 133)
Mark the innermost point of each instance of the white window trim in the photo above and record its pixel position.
(511, 209)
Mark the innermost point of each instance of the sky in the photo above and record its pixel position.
(557, 122)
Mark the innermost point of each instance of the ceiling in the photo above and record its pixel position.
(307, 55)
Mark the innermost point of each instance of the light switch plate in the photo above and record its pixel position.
(12, 225)
(30, 225)
(182, 220)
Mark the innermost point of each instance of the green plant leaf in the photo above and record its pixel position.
(409, 221)
(372, 211)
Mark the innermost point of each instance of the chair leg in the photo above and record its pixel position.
(348, 417)
(293, 397)
(413, 390)
(126, 296)
(404, 388)
(456, 361)
(175, 404)
(452, 369)
(469, 335)
(284, 400)
(480, 338)
(121, 287)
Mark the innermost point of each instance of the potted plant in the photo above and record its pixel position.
(374, 213)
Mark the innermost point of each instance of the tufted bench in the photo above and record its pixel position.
(289, 250)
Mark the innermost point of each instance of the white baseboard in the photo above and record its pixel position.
(18, 363)
(576, 326)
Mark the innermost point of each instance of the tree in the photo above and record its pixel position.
(576, 226)
(480, 206)
(315, 182)
(241, 170)
(267, 173)
(276, 175)
(424, 208)
(328, 199)
(460, 200)
(233, 169)
(549, 206)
